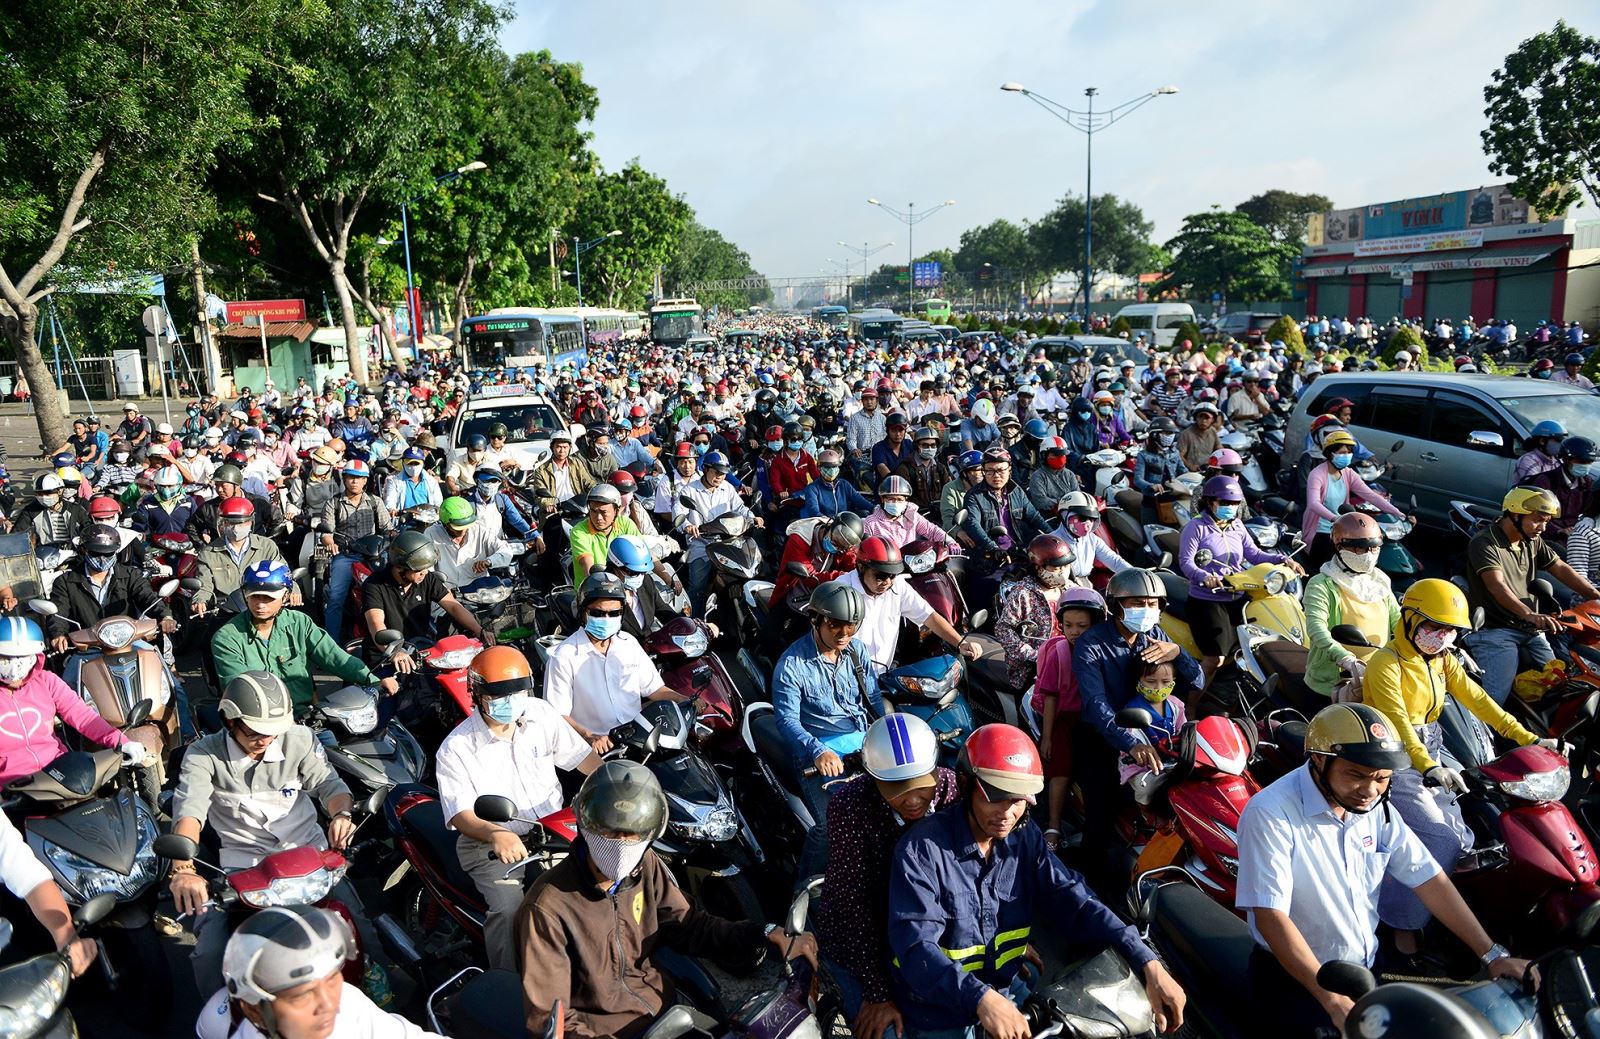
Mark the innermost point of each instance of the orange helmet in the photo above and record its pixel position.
(500, 671)
(1357, 528)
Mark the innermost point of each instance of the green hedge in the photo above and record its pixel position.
(1287, 329)
(1409, 339)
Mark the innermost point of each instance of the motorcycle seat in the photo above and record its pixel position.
(772, 748)
(490, 1005)
(1167, 541)
(1291, 736)
(1177, 594)
(425, 822)
(1209, 941)
(1130, 501)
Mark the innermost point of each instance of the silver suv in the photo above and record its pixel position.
(1461, 434)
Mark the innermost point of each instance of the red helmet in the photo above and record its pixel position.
(623, 481)
(104, 507)
(877, 553)
(637, 411)
(774, 432)
(237, 458)
(236, 508)
(1049, 444)
(1322, 420)
(1543, 364)
(1004, 762)
(683, 450)
(1339, 403)
(1047, 550)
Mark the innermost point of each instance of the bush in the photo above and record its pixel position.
(1287, 329)
(1190, 331)
(1120, 327)
(1072, 328)
(1405, 338)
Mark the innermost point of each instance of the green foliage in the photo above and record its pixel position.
(1190, 331)
(1120, 327)
(1121, 236)
(651, 219)
(1543, 109)
(1591, 367)
(702, 254)
(1225, 251)
(1284, 213)
(1072, 328)
(1286, 329)
(1405, 338)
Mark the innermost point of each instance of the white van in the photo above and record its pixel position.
(1156, 320)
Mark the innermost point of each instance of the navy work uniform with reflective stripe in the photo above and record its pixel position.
(959, 924)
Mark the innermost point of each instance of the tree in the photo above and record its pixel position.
(1121, 238)
(1544, 118)
(350, 112)
(111, 111)
(702, 254)
(1286, 330)
(1409, 339)
(1284, 213)
(1225, 251)
(998, 259)
(651, 219)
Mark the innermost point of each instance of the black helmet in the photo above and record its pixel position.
(599, 586)
(228, 474)
(622, 797)
(1132, 583)
(413, 550)
(1577, 449)
(846, 531)
(102, 540)
(1162, 424)
(766, 397)
(193, 442)
(497, 429)
(837, 601)
(793, 431)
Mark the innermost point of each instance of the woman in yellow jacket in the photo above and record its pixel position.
(1408, 680)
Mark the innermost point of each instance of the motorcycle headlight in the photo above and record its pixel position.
(1394, 531)
(31, 992)
(719, 824)
(1540, 786)
(693, 644)
(357, 720)
(454, 660)
(1266, 534)
(1275, 582)
(85, 879)
(490, 596)
(922, 562)
(294, 891)
(117, 634)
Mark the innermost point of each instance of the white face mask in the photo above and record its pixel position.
(14, 669)
(615, 857)
(1358, 562)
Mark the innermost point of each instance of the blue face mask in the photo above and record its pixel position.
(1140, 618)
(795, 445)
(827, 547)
(1581, 469)
(1343, 460)
(775, 445)
(633, 582)
(701, 449)
(504, 709)
(1227, 512)
(603, 628)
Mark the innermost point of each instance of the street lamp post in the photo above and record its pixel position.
(1087, 122)
(911, 218)
(864, 251)
(405, 237)
(578, 249)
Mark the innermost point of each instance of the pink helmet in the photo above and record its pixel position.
(1223, 457)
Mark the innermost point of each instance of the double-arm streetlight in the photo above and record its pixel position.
(578, 249)
(911, 218)
(864, 250)
(405, 236)
(1087, 122)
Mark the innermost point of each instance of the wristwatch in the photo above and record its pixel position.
(346, 815)
(1496, 952)
(774, 927)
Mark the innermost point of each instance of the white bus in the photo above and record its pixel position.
(674, 321)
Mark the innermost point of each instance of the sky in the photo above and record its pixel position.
(777, 121)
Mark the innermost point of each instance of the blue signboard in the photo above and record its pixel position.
(926, 274)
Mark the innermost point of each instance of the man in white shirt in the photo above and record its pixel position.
(511, 746)
(467, 548)
(599, 676)
(709, 497)
(878, 568)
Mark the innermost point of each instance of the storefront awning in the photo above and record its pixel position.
(299, 331)
(1321, 270)
(1452, 260)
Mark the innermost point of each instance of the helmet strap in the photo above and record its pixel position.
(1320, 778)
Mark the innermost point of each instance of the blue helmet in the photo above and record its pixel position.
(415, 454)
(1548, 428)
(487, 474)
(629, 551)
(714, 459)
(971, 459)
(269, 575)
(20, 637)
(1573, 359)
(477, 442)
(1037, 428)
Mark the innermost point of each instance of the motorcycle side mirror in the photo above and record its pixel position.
(797, 568)
(175, 846)
(672, 1023)
(375, 802)
(686, 501)
(1134, 718)
(1166, 561)
(961, 517)
(387, 637)
(494, 809)
(299, 573)
(318, 525)
(189, 584)
(1477, 618)
(1349, 635)
(137, 715)
(996, 532)
(1203, 557)
(43, 607)
(5, 934)
(94, 910)
(979, 619)
(1351, 980)
(168, 588)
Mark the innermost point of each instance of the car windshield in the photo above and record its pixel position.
(523, 422)
(1576, 412)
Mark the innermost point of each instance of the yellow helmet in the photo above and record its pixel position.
(1357, 733)
(1337, 438)
(1437, 600)
(1524, 501)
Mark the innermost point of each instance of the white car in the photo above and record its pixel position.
(529, 419)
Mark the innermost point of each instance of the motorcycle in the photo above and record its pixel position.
(172, 555)
(708, 844)
(52, 561)
(83, 819)
(937, 576)
(1252, 477)
(1109, 469)
(679, 648)
(370, 753)
(931, 690)
(735, 560)
(34, 992)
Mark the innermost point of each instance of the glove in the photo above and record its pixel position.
(1355, 667)
(1446, 777)
(135, 753)
(1559, 746)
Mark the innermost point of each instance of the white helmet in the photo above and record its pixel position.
(983, 411)
(900, 747)
(281, 947)
(168, 476)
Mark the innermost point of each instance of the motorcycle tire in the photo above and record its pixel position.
(143, 995)
(731, 898)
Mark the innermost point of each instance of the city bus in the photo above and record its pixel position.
(603, 327)
(874, 324)
(831, 316)
(934, 311)
(521, 337)
(673, 321)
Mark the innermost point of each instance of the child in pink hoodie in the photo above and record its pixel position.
(31, 699)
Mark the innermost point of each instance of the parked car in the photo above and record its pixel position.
(1158, 321)
(1460, 435)
(1245, 326)
(1063, 350)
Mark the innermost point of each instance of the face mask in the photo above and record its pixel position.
(168, 493)
(1544, 374)
(1140, 618)
(701, 449)
(1550, 447)
(894, 508)
(603, 628)
(1166, 439)
(614, 857)
(829, 471)
(1343, 459)
(320, 469)
(1226, 512)
(237, 532)
(774, 445)
(1104, 410)
(14, 669)
(100, 564)
(1358, 562)
(1580, 469)
(1079, 528)
(1053, 577)
(505, 709)
(272, 438)
(1432, 643)
(795, 445)
(928, 453)
(49, 498)
(633, 582)
(1156, 694)
(475, 455)
(1055, 461)
(413, 469)
(119, 457)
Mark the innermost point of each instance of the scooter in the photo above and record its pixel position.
(1252, 477)
(1111, 468)
(83, 819)
(680, 649)
(371, 754)
(937, 576)
(52, 562)
(172, 555)
(735, 560)
(931, 690)
(708, 842)
(34, 992)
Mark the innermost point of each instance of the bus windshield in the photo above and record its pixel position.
(491, 340)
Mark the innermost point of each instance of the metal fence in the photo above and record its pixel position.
(99, 381)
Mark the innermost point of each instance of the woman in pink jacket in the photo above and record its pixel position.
(31, 699)
(897, 520)
(1329, 487)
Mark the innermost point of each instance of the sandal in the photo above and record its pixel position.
(1052, 838)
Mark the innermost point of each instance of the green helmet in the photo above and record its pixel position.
(622, 797)
(228, 474)
(458, 512)
(413, 550)
(497, 429)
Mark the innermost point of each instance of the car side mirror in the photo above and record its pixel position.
(1348, 979)
(1485, 438)
(1134, 718)
(494, 808)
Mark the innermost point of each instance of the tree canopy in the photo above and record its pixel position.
(1284, 213)
(1224, 251)
(1543, 108)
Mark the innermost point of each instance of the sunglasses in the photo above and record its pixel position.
(249, 735)
(834, 625)
(605, 613)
